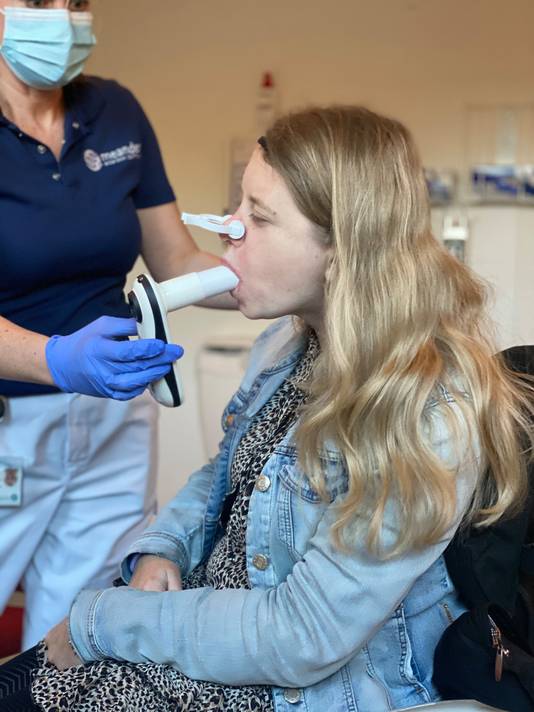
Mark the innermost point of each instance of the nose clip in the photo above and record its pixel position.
(215, 223)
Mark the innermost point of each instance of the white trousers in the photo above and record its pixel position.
(89, 475)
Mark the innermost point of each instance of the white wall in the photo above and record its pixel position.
(195, 65)
(500, 249)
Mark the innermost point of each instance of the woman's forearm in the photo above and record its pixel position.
(22, 354)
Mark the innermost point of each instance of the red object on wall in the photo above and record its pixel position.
(11, 631)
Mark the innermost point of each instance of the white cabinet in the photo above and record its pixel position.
(500, 249)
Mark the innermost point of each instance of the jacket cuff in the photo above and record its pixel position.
(159, 544)
(82, 625)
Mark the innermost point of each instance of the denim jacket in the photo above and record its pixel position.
(326, 629)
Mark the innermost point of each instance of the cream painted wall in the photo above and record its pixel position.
(195, 65)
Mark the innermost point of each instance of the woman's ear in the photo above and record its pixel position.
(329, 264)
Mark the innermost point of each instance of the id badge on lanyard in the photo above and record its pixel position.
(10, 472)
(10, 481)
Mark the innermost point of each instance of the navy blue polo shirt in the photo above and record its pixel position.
(69, 231)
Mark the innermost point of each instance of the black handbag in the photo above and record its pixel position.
(483, 655)
(488, 654)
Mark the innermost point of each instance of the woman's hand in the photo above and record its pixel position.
(60, 652)
(152, 573)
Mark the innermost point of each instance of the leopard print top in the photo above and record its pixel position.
(112, 686)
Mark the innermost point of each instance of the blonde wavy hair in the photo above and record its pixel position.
(402, 316)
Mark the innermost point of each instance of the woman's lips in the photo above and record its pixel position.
(231, 267)
(233, 291)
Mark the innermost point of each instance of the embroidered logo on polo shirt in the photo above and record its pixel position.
(92, 160)
(96, 161)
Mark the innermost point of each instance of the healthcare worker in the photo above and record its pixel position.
(83, 192)
(95, 360)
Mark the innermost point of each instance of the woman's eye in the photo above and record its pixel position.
(257, 219)
(75, 5)
(79, 5)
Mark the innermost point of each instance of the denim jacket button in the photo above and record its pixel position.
(261, 562)
(263, 483)
(229, 420)
(292, 696)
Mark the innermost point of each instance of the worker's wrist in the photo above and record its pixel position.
(42, 371)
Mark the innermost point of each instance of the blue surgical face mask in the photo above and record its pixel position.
(46, 49)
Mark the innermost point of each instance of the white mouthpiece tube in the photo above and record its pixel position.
(196, 286)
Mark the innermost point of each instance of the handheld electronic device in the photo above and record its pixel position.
(150, 302)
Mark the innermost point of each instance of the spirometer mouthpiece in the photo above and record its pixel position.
(196, 286)
(150, 303)
(215, 223)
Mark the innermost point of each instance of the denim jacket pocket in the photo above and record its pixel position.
(296, 481)
(299, 510)
(392, 666)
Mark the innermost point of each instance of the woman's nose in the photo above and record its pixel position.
(226, 240)
(235, 232)
(224, 236)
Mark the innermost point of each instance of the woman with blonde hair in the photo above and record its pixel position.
(303, 567)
